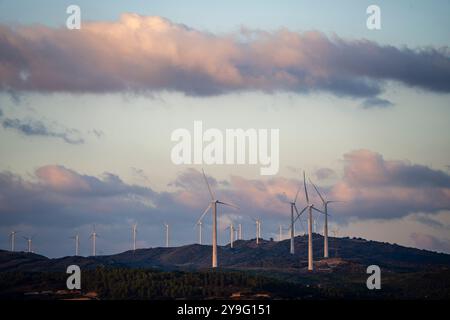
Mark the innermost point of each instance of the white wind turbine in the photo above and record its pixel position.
(94, 236)
(12, 235)
(29, 243)
(325, 227)
(240, 231)
(310, 208)
(213, 205)
(292, 229)
(77, 244)
(280, 232)
(258, 229)
(200, 224)
(231, 228)
(167, 234)
(134, 231)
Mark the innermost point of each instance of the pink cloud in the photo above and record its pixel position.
(62, 179)
(374, 187)
(142, 53)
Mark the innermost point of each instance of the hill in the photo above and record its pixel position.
(354, 253)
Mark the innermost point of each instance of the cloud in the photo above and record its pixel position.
(384, 189)
(376, 102)
(426, 241)
(97, 133)
(324, 173)
(140, 174)
(62, 196)
(147, 53)
(31, 127)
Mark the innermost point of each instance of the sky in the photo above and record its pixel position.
(86, 118)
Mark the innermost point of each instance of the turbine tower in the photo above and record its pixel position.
(258, 229)
(200, 223)
(94, 236)
(12, 235)
(292, 229)
(134, 230)
(167, 234)
(280, 234)
(213, 205)
(325, 226)
(30, 243)
(240, 231)
(231, 227)
(77, 244)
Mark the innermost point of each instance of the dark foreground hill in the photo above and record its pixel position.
(247, 270)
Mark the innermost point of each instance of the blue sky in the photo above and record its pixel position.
(415, 23)
(67, 135)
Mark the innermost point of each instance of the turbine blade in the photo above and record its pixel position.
(228, 204)
(203, 214)
(296, 210)
(317, 190)
(299, 214)
(296, 195)
(207, 184)
(336, 201)
(306, 190)
(303, 210)
(314, 208)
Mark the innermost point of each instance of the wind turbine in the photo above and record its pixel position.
(167, 234)
(310, 208)
(280, 232)
(325, 227)
(12, 235)
(30, 243)
(77, 243)
(94, 238)
(258, 229)
(134, 230)
(240, 231)
(213, 205)
(292, 229)
(231, 227)
(200, 223)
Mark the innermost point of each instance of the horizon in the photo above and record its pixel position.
(286, 239)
